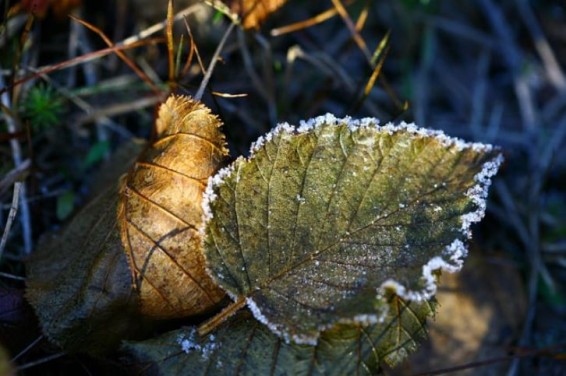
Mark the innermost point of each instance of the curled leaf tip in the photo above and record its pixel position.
(160, 212)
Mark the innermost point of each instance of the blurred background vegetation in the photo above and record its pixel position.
(484, 70)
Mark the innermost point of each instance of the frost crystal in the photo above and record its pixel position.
(478, 193)
(449, 259)
(209, 195)
(262, 140)
(189, 344)
(304, 340)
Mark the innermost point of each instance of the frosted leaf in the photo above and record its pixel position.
(243, 346)
(320, 222)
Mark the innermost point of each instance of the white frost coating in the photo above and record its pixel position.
(365, 319)
(309, 125)
(456, 251)
(451, 258)
(209, 195)
(189, 344)
(478, 194)
(262, 140)
(301, 340)
(207, 198)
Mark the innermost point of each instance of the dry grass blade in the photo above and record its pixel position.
(120, 54)
(118, 109)
(352, 27)
(228, 95)
(12, 127)
(193, 51)
(79, 60)
(319, 18)
(551, 64)
(377, 68)
(550, 352)
(17, 174)
(41, 361)
(170, 45)
(11, 216)
(215, 57)
(158, 26)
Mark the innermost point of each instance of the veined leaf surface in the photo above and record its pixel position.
(79, 282)
(160, 212)
(320, 220)
(243, 346)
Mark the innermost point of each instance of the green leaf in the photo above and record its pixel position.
(320, 221)
(243, 346)
(65, 204)
(96, 153)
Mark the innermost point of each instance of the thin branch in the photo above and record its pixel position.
(170, 45)
(27, 348)
(555, 74)
(25, 217)
(11, 216)
(41, 361)
(78, 60)
(120, 54)
(208, 74)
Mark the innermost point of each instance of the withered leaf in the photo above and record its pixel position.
(160, 211)
(321, 220)
(243, 346)
(254, 12)
(79, 283)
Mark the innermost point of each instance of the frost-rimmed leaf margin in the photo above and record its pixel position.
(243, 346)
(451, 257)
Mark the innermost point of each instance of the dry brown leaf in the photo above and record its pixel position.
(160, 211)
(254, 12)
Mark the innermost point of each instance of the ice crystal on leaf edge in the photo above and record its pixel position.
(451, 258)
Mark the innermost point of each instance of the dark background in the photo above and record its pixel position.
(484, 70)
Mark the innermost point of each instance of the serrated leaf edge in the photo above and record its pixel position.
(452, 257)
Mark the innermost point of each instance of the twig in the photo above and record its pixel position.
(17, 174)
(464, 32)
(120, 54)
(267, 64)
(17, 157)
(512, 56)
(72, 48)
(11, 216)
(158, 26)
(194, 47)
(422, 84)
(41, 361)
(170, 46)
(555, 74)
(117, 109)
(326, 15)
(208, 74)
(27, 348)
(517, 354)
(78, 60)
(11, 276)
(248, 66)
(352, 28)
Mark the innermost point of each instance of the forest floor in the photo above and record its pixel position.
(482, 70)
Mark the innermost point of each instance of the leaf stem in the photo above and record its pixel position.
(224, 315)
